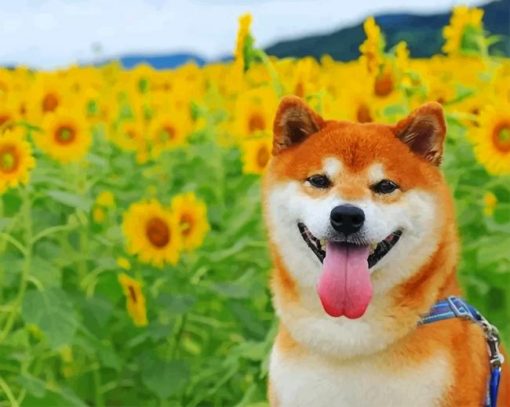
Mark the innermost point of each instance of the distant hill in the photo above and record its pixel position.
(161, 61)
(423, 33)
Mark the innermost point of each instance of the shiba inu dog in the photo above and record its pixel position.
(363, 235)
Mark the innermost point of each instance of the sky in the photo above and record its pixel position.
(55, 33)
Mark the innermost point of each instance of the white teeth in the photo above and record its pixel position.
(323, 242)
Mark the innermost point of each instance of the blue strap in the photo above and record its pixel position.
(455, 307)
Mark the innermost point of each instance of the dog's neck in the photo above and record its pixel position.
(392, 315)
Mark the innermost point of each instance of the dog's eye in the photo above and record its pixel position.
(384, 187)
(319, 181)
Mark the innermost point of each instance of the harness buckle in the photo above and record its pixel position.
(496, 358)
(458, 307)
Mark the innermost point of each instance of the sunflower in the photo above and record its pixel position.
(65, 137)
(464, 32)
(46, 96)
(135, 300)
(123, 263)
(492, 139)
(8, 114)
(402, 56)
(16, 160)
(192, 216)
(256, 154)
(490, 202)
(130, 135)
(169, 130)
(98, 215)
(106, 199)
(253, 113)
(6, 82)
(244, 39)
(357, 102)
(304, 77)
(152, 233)
(372, 49)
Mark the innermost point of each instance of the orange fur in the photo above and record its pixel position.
(412, 167)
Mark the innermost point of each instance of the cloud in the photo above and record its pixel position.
(53, 33)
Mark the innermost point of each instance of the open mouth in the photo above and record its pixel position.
(376, 252)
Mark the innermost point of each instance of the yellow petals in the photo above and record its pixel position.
(256, 154)
(402, 56)
(492, 138)
(464, 31)
(123, 263)
(65, 137)
(16, 160)
(242, 35)
(105, 199)
(152, 233)
(135, 300)
(191, 213)
(372, 49)
(98, 215)
(489, 204)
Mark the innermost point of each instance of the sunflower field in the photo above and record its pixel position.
(134, 263)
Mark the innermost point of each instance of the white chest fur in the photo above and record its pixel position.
(308, 380)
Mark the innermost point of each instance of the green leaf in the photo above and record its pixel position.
(53, 312)
(164, 378)
(59, 397)
(176, 304)
(108, 357)
(70, 199)
(4, 223)
(33, 385)
(47, 273)
(493, 251)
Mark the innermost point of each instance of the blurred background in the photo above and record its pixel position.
(54, 34)
(134, 265)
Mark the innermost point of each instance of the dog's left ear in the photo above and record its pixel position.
(424, 131)
(293, 123)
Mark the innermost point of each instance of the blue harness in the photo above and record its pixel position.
(454, 307)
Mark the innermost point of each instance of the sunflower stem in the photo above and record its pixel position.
(8, 393)
(275, 80)
(178, 335)
(82, 189)
(27, 223)
(97, 386)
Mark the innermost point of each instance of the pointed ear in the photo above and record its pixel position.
(424, 131)
(294, 122)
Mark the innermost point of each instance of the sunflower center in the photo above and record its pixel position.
(501, 137)
(256, 122)
(49, 103)
(383, 85)
(158, 232)
(363, 114)
(186, 223)
(167, 133)
(9, 159)
(262, 156)
(132, 294)
(65, 135)
(4, 118)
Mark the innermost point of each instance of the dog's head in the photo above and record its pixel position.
(355, 209)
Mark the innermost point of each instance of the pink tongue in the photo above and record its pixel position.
(344, 286)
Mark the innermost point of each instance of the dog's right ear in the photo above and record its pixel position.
(294, 122)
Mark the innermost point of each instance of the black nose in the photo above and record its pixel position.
(347, 219)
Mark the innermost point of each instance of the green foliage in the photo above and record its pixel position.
(66, 338)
